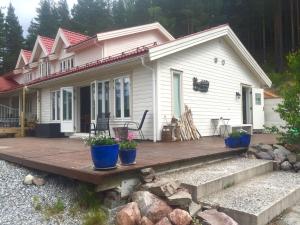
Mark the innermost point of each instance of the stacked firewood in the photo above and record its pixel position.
(187, 129)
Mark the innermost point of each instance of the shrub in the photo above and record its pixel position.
(99, 140)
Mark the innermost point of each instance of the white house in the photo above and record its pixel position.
(272, 118)
(72, 78)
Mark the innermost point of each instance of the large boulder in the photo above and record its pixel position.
(151, 206)
(297, 166)
(213, 217)
(129, 215)
(281, 154)
(194, 208)
(182, 198)
(292, 158)
(286, 166)
(146, 221)
(164, 221)
(265, 147)
(263, 155)
(180, 217)
(162, 188)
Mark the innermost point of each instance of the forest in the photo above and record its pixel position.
(270, 29)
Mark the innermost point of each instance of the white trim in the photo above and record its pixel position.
(202, 37)
(38, 42)
(134, 30)
(21, 56)
(60, 35)
(172, 71)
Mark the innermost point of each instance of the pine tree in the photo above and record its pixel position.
(13, 39)
(63, 14)
(2, 41)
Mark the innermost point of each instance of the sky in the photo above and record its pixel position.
(26, 10)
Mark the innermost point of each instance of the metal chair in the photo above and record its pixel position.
(102, 124)
(139, 125)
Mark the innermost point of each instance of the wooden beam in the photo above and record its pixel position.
(23, 113)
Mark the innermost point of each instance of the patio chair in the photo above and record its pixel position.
(101, 125)
(139, 125)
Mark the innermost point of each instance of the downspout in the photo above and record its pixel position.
(153, 97)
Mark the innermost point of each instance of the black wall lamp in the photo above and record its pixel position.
(238, 95)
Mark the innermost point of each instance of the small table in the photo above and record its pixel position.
(121, 132)
(216, 122)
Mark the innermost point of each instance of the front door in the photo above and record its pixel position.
(258, 108)
(67, 112)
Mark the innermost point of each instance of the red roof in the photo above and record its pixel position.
(8, 84)
(73, 37)
(48, 43)
(27, 54)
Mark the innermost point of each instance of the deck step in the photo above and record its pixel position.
(206, 179)
(259, 200)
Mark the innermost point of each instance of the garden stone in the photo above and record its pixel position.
(181, 198)
(148, 174)
(162, 188)
(129, 215)
(38, 181)
(263, 155)
(146, 221)
(194, 208)
(213, 217)
(292, 158)
(253, 150)
(280, 155)
(298, 157)
(28, 179)
(297, 166)
(286, 166)
(266, 148)
(164, 221)
(180, 217)
(282, 150)
(151, 206)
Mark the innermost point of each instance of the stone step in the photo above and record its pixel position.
(206, 179)
(259, 200)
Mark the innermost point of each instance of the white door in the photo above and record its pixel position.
(67, 112)
(258, 108)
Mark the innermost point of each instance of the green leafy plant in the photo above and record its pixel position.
(52, 210)
(129, 143)
(235, 134)
(95, 217)
(99, 140)
(37, 203)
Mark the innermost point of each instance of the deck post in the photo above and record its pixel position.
(23, 112)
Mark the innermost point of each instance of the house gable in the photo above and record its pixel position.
(23, 58)
(42, 46)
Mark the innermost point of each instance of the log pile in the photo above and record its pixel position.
(187, 129)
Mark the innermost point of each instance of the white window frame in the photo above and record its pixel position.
(181, 91)
(28, 77)
(56, 103)
(66, 64)
(44, 68)
(122, 97)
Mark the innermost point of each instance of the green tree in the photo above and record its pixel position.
(2, 41)
(13, 39)
(63, 14)
(91, 16)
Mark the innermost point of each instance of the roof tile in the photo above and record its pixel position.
(48, 43)
(73, 37)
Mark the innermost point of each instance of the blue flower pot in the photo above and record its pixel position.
(127, 156)
(232, 142)
(105, 156)
(245, 140)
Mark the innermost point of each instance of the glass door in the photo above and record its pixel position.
(99, 98)
(67, 112)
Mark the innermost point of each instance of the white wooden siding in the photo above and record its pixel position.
(224, 82)
(272, 118)
(45, 106)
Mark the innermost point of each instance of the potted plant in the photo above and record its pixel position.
(245, 139)
(104, 151)
(233, 141)
(128, 150)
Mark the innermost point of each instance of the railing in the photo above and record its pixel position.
(9, 117)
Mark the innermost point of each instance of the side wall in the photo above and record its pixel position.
(272, 118)
(224, 81)
(141, 86)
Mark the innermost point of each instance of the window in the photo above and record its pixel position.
(28, 77)
(103, 97)
(67, 105)
(93, 101)
(176, 94)
(258, 98)
(66, 64)
(55, 105)
(44, 68)
(122, 97)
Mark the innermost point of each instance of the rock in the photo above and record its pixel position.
(151, 206)
(146, 221)
(129, 215)
(297, 166)
(282, 150)
(180, 217)
(286, 166)
(28, 179)
(148, 174)
(181, 198)
(38, 181)
(266, 148)
(293, 147)
(162, 188)
(281, 154)
(164, 221)
(298, 157)
(252, 149)
(276, 165)
(194, 208)
(263, 155)
(213, 217)
(292, 158)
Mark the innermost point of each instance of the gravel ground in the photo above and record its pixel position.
(290, 217)
(16, 199)
(205, 173)
(257, 194)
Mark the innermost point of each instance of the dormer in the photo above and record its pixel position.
(23, 59)
(42, 48)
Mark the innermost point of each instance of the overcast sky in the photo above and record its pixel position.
(26, 10)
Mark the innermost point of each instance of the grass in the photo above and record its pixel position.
(95, 217)
(48, 210)
(37, 203)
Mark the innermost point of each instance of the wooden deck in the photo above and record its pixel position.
(71, 158)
